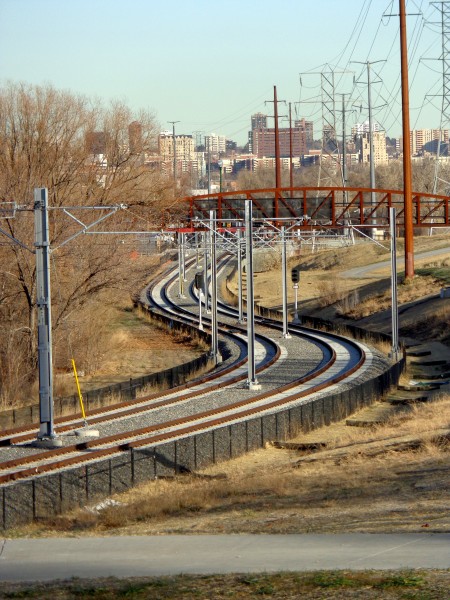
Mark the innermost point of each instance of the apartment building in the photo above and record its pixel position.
(264, 142)
(308, 128)
(360, 129)
(215, 144)
(258, 121)
(184, 145)
(380, 154)
(419, 138)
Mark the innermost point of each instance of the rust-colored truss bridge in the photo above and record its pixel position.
(323, 207)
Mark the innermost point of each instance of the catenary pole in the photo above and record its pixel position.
(217, 357)
(284, 282)
(252, 382)
(44, 315)
(394, 302)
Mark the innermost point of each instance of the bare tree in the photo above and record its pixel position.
(86, 155)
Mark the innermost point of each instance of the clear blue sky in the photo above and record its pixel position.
(210, 65)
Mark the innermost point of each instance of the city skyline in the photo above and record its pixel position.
(211, 66)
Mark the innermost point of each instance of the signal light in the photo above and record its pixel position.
(199, 281)
(295, 275)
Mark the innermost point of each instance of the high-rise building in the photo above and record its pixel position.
(426, 140)
(215, 144)
(359, 129)
(264, 142)
(380, 155)
(308, 128)
(184, 146)
(422, 137)
(258, 121)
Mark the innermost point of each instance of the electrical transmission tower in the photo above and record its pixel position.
(441, 185)
(330, 157)
(444, 8)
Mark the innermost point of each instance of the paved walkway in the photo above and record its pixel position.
(62, 558)
(360, 272)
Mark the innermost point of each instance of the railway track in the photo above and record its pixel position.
(289, 370)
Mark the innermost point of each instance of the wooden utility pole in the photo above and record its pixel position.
(291, 172)
(277, 140)
(407, 185)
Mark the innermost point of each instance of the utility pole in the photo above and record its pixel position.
(174, 152)
(344, 145)
(209, 164)
(407, 184)
(291, 174)
(277, 138)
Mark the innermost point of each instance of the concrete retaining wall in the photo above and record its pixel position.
(48, 495)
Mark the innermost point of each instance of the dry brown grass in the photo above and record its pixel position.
(406, 292)
(261, 492)
(435, 326)
(330, 291)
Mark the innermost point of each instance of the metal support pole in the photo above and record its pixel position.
(183, 256)
(209, 164)
(205, 270)
(180, 269)
(296, 319)
(284, 282)
(200, 322)
(239, 262)
(252, 382)
(196, 238)
(44, 317)
(394, 302)
(214, 326)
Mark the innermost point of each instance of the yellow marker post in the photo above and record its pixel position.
(80, 397)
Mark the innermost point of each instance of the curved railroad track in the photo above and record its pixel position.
(289, 371)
